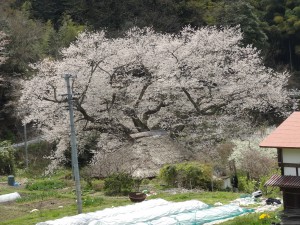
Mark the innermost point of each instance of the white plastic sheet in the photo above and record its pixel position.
(244, 201)
(9, 197)
(152, 214)
(199, 217)
(109, 212)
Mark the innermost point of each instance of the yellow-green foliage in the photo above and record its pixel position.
(278, 19)
(188, 175)
(6, 158)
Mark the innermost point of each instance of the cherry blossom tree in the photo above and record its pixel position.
(3, 43)
(185, 84)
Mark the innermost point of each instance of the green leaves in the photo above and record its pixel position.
(6, 158)
(188, 175)
(45, 185)
(118, 184)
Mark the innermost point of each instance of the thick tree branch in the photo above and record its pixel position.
(52, 100)
(109, 104)
(139, 125)
(191, 100)
(209, 110)
(83, 112)
(212, 109)
(150, 112)
(141, 94)
(107, 125)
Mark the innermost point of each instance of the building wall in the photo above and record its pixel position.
(291, 156)
(291, 198)
(226, 183)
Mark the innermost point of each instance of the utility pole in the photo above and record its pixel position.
(73, 144)
(26, 146)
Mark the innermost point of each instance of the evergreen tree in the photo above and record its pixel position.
(283, 19)
(244, 16)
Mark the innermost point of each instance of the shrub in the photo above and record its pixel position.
(118, 184)
(188, 175)
(38, 158)
(7, 159)
(246, 185)
(250, 185)
(169, 174)
(98, 185)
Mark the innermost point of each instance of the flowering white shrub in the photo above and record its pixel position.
(250, 158)
(147, 80)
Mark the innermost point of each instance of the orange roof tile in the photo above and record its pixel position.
(286, 135)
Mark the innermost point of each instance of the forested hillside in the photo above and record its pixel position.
(36, 29)
(272, 26)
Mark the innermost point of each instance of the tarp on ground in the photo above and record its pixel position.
(153, 209)
(198, 217)
(81, 219)
(153, 212)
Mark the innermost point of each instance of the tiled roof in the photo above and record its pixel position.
(287, 135)
(284, 181)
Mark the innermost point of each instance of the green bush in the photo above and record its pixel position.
(45, 185)
(246, 185)
(118, 184)
(169, 174)
(187, 175)
(7, 159)
(98, 185)
(250, 185)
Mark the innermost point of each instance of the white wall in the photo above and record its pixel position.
(227, 183)
(290, 156)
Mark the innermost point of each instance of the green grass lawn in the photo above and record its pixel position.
(55, 198)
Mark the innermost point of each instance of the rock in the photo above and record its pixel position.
(34, 210)
(218, 204)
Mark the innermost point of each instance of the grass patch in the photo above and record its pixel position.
(29, 197)
(90, 201)
(254, 219)
(207, 197)
(45, 185)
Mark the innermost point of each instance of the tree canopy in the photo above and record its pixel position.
(148, 81)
